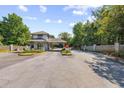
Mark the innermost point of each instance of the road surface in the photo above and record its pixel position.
(7, 59)
(52, 70)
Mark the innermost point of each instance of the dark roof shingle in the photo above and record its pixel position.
(56, 40)
(40, 33)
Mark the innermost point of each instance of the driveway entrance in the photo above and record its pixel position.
(52, 70)
(55, 50)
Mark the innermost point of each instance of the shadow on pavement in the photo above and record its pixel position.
(107, 68)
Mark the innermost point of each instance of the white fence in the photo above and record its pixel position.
(121, 47)
(13, 47)
(115, 47)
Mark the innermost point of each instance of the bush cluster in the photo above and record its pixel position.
(66, 52)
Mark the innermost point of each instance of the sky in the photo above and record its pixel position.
(53, 19)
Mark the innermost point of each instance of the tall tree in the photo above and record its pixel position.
(14, 31)
(1, 39)
(78, 34)
(107, 28)
(116, 15)
(111, 22)
(65, 36)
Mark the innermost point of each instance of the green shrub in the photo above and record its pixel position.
(25, 54)
(66, 52)
(29, 52)
(33, 51)
(62, 49)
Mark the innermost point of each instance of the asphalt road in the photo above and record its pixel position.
(7, 59)
(52, 70)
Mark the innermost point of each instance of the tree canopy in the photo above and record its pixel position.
(13, 30)
(107, 28)
(65, 36)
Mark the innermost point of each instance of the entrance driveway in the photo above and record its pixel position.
(52, 70)
(7, 59)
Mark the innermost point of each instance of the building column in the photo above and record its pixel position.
(46, 45)
(35, 45)
(49, 45)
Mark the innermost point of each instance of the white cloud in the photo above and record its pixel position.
(23, 8)
(59, 21)
(53, 21)
(72, 24)
(43, 9)
(77, 12)
(30, 18)
(79, 9)
(47, 20)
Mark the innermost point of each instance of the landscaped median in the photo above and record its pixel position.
(66, 52)
(4, 51)
(30, 52)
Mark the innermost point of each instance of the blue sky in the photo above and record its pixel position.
(53, 19)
